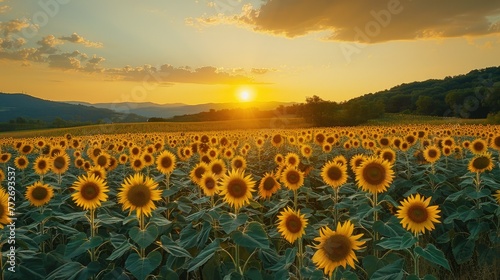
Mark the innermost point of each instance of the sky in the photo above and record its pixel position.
(192, 52)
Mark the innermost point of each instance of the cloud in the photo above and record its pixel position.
(367, 21)
(261, 71)
(168, 74)
(4, 9)
(13, 26)
(77, 39)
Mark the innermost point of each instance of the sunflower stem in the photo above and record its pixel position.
(300, 256)
(295, 199)
(92, 233)
(415, 259)
(375, 218)
(237, 251)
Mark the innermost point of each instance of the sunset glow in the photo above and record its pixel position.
(201, 51)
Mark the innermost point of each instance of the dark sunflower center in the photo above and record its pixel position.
(102, 161)
(21, 162)
(320, 138)
(97, 173)
(89, 191)
(418, 214)
(496, 140)
(337, 247)
(293, 177)
(374, 174)
(307, 151)
(478, 146)
(39, 193)
(334, 173)
(293, 224)
(55, 152)
(269, 183)
(388, 156)
(26, 149)
(277, 139)
(166, 162)
(216, 168)
(139, 195)
(210, 183)
(42, 164)
(237, 188)
(481, 162)
(59, 162)
(148, 158)
(5, 157)
(432, 153)
(135, 151)
(238, 163)
(292, 161)
(397, 142)
(384, 141)
(137, 163)
(199, 172)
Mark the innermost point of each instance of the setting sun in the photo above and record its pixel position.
(245, 96)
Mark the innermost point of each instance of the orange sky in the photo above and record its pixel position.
(211, 51)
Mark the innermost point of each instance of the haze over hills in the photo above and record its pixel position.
(18, 105)
(148, 109)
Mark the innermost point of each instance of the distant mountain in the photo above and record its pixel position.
(19, 105)
(150, 110)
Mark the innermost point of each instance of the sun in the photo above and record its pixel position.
(245, 96)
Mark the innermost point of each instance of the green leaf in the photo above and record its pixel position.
(80, 245)
(142, 267)
(434, 255)
(253, 274)
(75, 270)
(372, 264)
(463, 249)
(398, 242)
(230, 224)
(120, 251)
(172, 248)
(168, 274)
(254, 236)
(476, 228)
(285, 261)
(204, 255)
(144, 237)
(393, 271)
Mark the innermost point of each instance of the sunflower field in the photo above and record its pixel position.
(377, 202)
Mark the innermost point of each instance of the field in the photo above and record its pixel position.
(251, 200)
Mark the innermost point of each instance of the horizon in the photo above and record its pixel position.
(199, 52)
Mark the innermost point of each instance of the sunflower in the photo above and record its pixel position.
(236, 188)
(292, 178)
(4, 208)
(478, 146)
(123, 158)
(416, 215)
(5, 157)
(136, 163)
(2, 175)
(217, 168)
(42, 165)
(60, 163)
(268, 185)
(26, 149)
(198, 171)
(336, 248)
(292, 159)
(90, 191)
(497, 196)
(388, 154)
(139, 192)
(277, 140)
(356, 161)
(291, 224)
(334, 174)
(306, 151)
(239, 162)
(21, 162)
(495, 142)
(279, 159)
(481, 163)
(103, 160)
(340, 160)
(165, 162)
(432, 153)
(39, 194)
(98, 171)
(208, 184)
(374, 175)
